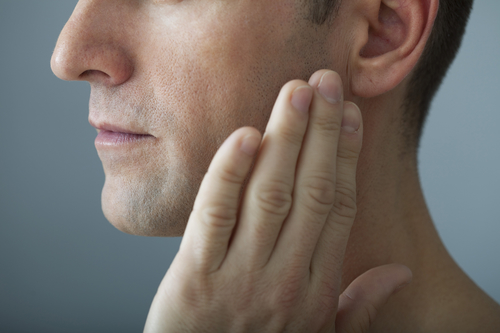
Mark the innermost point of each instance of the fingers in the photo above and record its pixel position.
(303, 178)
(330, 250)
(215, 209)
(365, 296)
(314, 193)
(268, 197)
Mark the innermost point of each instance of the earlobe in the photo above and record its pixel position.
(390, 43)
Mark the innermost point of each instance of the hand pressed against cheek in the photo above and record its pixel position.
(201, 70)
(272, 262)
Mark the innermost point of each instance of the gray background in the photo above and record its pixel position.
(64, 268)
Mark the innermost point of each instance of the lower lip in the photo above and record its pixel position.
(107, 138)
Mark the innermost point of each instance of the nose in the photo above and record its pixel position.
(93, 45)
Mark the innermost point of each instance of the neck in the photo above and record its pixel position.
(393, 225)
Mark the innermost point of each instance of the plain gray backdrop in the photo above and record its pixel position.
(64, 268)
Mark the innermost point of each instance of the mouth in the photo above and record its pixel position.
(110, 136)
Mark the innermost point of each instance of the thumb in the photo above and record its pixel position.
(367, 294)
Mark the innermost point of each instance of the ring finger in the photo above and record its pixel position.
(314, 193)
(268, 197)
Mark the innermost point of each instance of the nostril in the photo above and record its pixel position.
(101, 77)
(94, 75)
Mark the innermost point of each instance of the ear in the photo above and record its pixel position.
(388, 43)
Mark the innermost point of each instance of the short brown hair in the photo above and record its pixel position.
(441, 49)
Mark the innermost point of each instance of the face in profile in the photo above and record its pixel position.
(170, 80)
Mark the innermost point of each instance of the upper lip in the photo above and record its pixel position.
(115, 128)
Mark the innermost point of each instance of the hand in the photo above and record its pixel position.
(273, 262)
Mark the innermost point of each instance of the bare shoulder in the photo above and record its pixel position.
(466, 308)
(480, 313)
(444, 301)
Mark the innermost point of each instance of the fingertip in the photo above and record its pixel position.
(301, 98)
(406, 277)
(242, 136)
(351, 119)
(315, 79)
(250, 144)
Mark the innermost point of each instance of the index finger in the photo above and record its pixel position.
(214, 214)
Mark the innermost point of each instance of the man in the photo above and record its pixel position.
(275, 237)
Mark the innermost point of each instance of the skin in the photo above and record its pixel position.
(190, 96)
(190, 73)
(263, 269)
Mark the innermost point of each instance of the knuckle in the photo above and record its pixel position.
(371, 313)
(194, 295)
(248, 293)
(291, 135)
(219, 216)
(327, 291)
(348, 154)
(364, 319)
(289, 294)
(292, 288)
(320, 193)
(229, 175)
(275, 198)
(328, 300)
(325, 123)
(345, 202)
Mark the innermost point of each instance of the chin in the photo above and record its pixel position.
(150, 226)
(152, 214)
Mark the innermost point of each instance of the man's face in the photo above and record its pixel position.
(188, 73)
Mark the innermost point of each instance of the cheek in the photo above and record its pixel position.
(213, 74)
(210, 78)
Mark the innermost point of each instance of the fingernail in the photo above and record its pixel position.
(301, 98)
(249, 144)
(400, 287)
(351, 119)
(330, 87)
